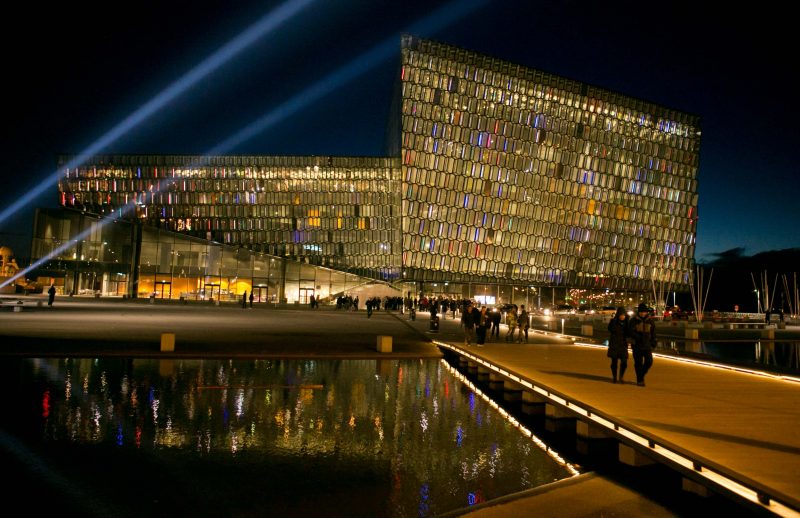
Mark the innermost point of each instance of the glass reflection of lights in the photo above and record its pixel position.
(428, 421)
(511, 419)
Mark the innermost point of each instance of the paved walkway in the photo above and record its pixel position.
(743, 422)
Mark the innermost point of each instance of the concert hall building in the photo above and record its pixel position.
(499, 179)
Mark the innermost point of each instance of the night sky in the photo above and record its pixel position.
(74, 70)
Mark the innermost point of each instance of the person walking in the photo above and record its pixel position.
(511, 322)
(618, 344)
(495, 317)
(482, 327)
(51, 295)
(244, 300)
(523, 323)
(643, 330)
(468, 320)
(251, 298)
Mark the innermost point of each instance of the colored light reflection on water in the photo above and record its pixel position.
(259, 437)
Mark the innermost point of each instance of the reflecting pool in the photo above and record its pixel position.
(259, 438)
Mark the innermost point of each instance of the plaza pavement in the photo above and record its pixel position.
(85, 327)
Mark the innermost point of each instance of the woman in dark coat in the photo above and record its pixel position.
(618, 344)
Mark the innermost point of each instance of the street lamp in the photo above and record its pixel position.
(758, 301)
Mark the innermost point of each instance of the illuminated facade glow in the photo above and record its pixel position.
(513, 173)
(499, 174)
(338, 212)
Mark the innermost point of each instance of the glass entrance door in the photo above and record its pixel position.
(164, 286)
(305, 295)
(260, 294)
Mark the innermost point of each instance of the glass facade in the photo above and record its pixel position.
(90, 256)
(503, 175)
(339, 212)
(512, 173)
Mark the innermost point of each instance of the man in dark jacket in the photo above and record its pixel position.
(468, 320)
(618, 345)
(496, 317)
(643, 330)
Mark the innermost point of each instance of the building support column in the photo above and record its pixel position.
(282, 283)
(136, 257)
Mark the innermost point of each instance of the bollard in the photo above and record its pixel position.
(434, 325)
(384, 344)
(167, 342)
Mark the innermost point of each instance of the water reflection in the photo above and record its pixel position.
(356, 437)
(766, 354)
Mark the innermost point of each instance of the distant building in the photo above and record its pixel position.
(500, 177)
(8, 268)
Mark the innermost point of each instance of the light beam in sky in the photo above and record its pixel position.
(248, 37)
